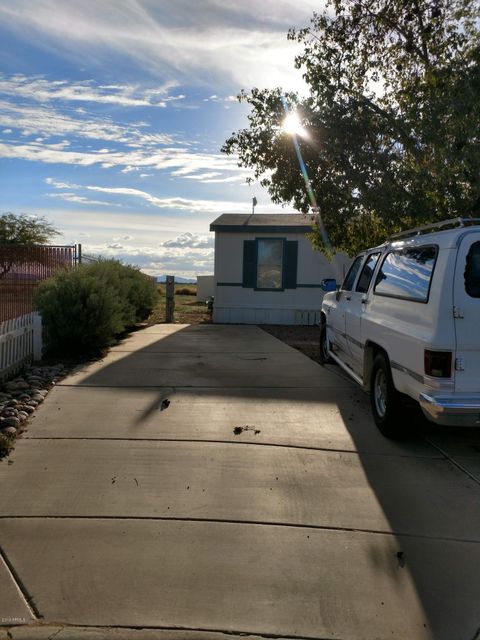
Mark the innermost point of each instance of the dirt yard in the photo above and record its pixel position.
(305, 339)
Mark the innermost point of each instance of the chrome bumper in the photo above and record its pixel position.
(457, 411)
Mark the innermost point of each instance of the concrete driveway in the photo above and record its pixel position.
(260, 501)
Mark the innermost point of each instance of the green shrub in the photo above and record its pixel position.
(83, 309)
(136, 290)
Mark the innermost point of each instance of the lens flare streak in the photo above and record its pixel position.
(292, 129)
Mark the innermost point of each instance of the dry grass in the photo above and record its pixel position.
(187, 309)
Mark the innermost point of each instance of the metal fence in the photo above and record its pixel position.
(22, 268)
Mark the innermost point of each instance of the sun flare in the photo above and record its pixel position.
(291, 124)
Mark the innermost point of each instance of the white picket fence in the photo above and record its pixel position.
(20, 341)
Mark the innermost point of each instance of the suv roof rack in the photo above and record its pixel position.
(436, 226)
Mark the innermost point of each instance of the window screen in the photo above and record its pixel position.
(269, 264)
(367, 273)
(472, 271)
(407, 273)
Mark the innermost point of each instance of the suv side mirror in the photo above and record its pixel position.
(328, 284)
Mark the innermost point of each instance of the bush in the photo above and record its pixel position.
(83, 309)
(185, 291)
(136, 290)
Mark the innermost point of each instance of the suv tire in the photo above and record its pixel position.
(385, 399)
(324, 357)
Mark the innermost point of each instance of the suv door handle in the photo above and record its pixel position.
(348, 297)
(364, 300)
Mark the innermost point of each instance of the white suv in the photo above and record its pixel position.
(406, 320)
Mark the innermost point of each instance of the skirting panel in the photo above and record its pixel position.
(227, 315)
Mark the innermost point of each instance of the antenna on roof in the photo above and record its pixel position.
(254, 204)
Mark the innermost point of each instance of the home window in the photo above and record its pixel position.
(269, 264)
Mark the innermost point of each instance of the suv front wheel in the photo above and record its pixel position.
(324, 355)
(385, 399)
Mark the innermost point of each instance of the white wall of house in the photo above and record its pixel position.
(205, 287)
(237, 304)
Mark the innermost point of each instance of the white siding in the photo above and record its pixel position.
(235, 304)
(205, 287)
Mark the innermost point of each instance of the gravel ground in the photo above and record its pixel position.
(305, 339)
(21, 396)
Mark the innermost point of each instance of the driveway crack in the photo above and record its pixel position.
(31, 606)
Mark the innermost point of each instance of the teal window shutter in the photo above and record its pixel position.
(249, 264)
(290, 259)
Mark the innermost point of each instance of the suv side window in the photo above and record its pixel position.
(472, 271)
(367, 273)
(407, 273)
(352, 274)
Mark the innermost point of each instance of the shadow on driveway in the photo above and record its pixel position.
(379, 538)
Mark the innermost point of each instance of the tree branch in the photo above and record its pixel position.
(396, 27)
(426, 57)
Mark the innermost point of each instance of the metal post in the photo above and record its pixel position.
(170, 298)
(79, 254)
(37, 337)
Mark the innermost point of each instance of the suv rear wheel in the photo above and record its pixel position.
(385, 399)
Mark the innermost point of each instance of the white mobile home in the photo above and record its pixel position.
(266, 271)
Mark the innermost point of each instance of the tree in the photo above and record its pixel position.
(25, 230)
(392, 116)
(21, 230)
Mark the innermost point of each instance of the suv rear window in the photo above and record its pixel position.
(472, 271)
(407, 273)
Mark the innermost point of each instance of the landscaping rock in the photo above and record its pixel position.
(21, 396)
(11, 421)
(10, 432)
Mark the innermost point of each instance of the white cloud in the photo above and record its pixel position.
(42, 90)
(203, 176)
(243, 43)
(73, 197)
(186, 262)
(215, 98)
(178, 203)
(47, 121)
(134, 149)
(178, 161)
(190, 240)
(61, 185)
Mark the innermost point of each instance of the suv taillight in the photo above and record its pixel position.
(438, 363)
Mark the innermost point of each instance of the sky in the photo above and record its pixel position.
(113, 113)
